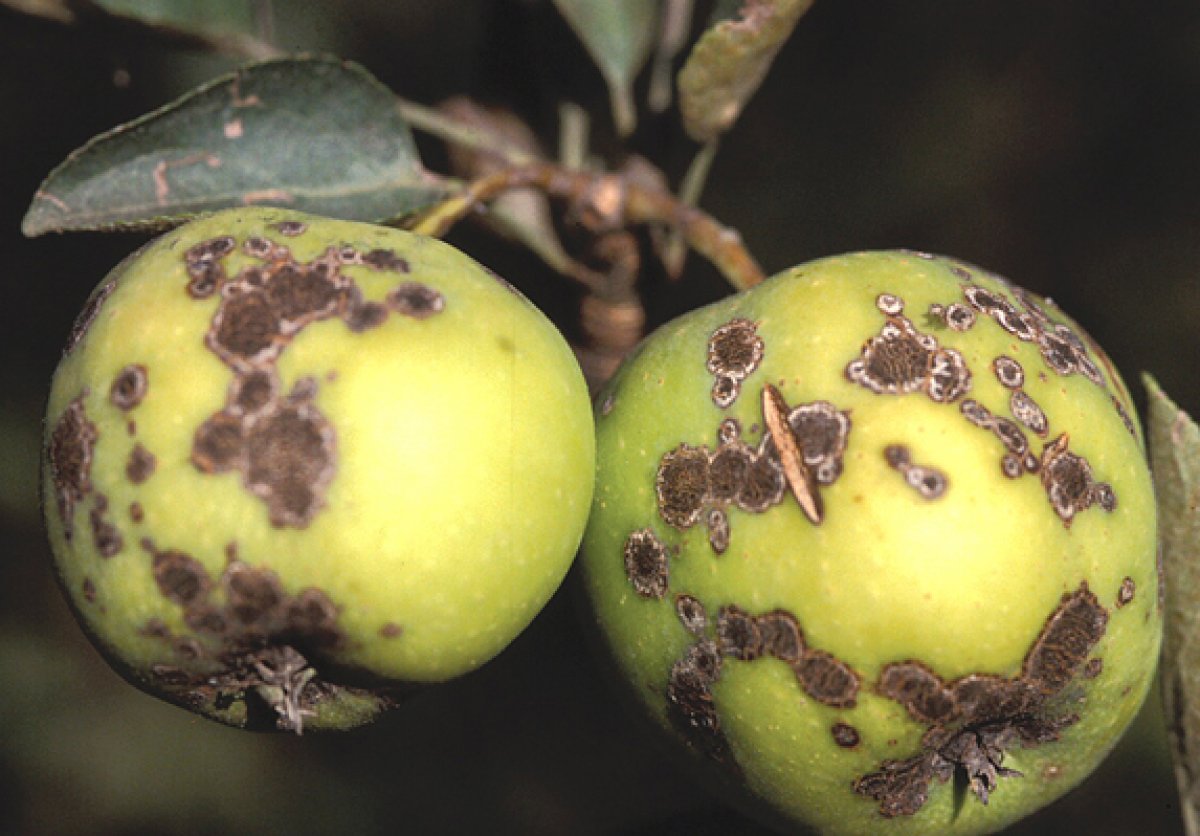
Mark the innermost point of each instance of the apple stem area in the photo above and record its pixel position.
(606, 205)
(284, 679)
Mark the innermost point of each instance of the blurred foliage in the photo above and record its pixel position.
(1054, 143)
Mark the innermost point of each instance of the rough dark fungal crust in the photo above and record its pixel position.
(974, 720)
(901, 359)
(70, 457)
(1009, 372)
(106, 536)
(1026, 410)
(827, 679)
(681, 485)
(718, 530)
(690, 706)
(692, 614)
(646, 564)
(735, 350)
(738, 634)
(129, 387)
(781, 635)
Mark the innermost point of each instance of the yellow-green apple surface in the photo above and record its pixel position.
(293, 464)
(876, 541)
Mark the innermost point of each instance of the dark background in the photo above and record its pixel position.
(1055, 143)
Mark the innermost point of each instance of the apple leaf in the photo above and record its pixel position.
(1175, 459)
(619, 35)
(310, 133)
(730, 61)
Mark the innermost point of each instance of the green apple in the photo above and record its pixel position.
(294, 464)
(876, 541)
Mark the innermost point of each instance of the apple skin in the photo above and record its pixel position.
(309, 463)
(944, 611)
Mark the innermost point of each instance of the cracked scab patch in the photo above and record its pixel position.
(416, 300)
(645, 559)
(1069, 483)
(70, 451)
(681, 485)
(974, 720)
(129, 387)
(691, 613)
(1026, 410)
(821, 431)
(827, 679)
(738, 634)
(901, 360)
(735, 350)
(927, 481)
(290, 229)
(1009, 372)
(955, 316)
(202, 262)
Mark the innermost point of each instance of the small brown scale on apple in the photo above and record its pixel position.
(973, 720)
(927, 481)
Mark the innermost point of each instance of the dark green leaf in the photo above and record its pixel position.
(1175, 458)
(225, 25)
(314, 134)
(618, 35)
(730, 61)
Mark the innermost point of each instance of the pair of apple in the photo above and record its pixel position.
(882, 521)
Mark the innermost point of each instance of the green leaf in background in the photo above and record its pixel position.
(730, 61)
(230, 26)
(619, 35)
(1175, 459)
(309, 133)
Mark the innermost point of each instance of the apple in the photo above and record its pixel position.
(295, 466)
(875, 542)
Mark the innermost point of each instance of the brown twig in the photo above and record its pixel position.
(608, 202)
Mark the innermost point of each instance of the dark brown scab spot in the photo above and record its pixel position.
(91, 309)
(1125, 593)
(70, 453)
(725, 390)
(299, 294)
(180, 577)
(1011, 466)
(205, 618)
(735, 349)
(1010, 435)
(363, 316)
(252, 392)
(891, 365)
(646, 564)
(381, 259)
(919, 690)
(213, 249)
(897, 456)
(246, 329)
(763, 487)
(129, 387)
(984, 697)
(105, 535)
(348, 255)
(681, 485)
(717, 522)
(252, 594)
(1093, 668)
(1068, 481)
(889, 304)
(690, 705)
(89, 590)
(258, 247)
(781, 635)
(738, 634)
(691, 613)
(154, 628)
(218, 444)
(416, 300)
(140, 465)
(959, 317)
(1066, 641)
(391, 630)
(927, 481)
(1026, 410)
(1123, 414)
(187, 649)
(136, 512)
(311, 618)
(826, 679)
(727, 471)
(845, 735)
(1058, 354)
(981, 299)
(900, 787)
(821, 431)
(289, 462)
(949, 378)
(290, 229)
(976, 413)
(1008, 372)
(729, 431)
